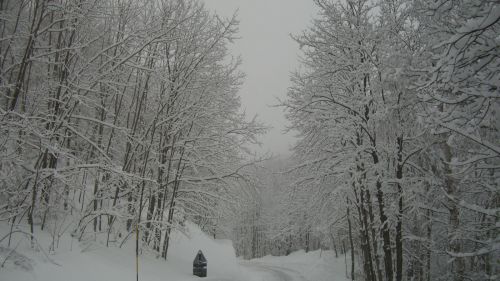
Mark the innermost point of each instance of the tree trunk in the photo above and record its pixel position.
(386, 236)
(350, 239)
(458, 264)
(399, 226)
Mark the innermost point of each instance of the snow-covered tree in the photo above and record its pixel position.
(396, 112)
(119, 118)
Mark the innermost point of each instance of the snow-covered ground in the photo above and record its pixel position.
(301, 266)
(74, 261)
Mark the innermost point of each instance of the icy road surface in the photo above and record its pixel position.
(265, 272)
(298, 266)
(274, 273)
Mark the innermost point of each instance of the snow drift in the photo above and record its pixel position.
(95, 262)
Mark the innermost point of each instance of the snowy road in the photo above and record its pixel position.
(275, 273)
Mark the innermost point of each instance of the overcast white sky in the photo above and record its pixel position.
(269, 55)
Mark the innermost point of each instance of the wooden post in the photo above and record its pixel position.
(137, 251)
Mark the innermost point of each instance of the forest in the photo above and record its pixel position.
(397, 111)
(119, 117)
(120, 120)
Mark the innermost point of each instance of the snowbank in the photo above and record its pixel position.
(94, 262)
(222, 261)
(74, 261)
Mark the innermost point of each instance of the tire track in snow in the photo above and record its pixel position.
(278, 273)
